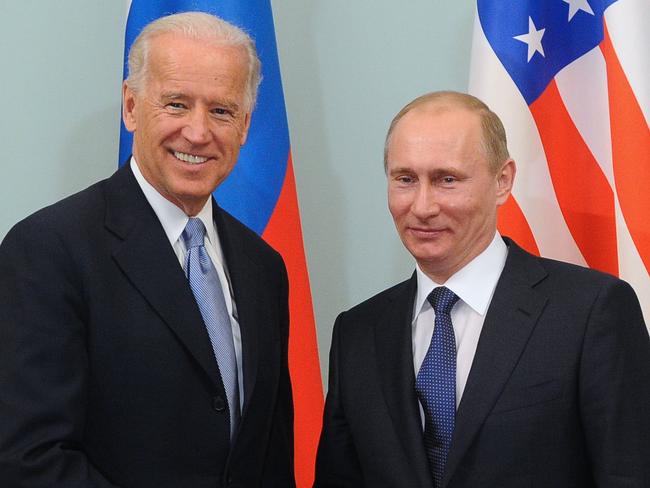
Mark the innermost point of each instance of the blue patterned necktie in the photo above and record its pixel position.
(206, 287)
(435, 384)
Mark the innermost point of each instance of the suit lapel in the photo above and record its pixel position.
(149, 262)
(395, 359)
(513, 313)
(252, 300)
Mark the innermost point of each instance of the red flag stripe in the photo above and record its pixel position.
(630, 152)
(582, 190)
(284, 233)
(512, 222)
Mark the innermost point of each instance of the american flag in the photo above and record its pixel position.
(570, 80)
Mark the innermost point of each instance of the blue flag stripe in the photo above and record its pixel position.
(252, 189)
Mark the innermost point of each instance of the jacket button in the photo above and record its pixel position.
(218, 403)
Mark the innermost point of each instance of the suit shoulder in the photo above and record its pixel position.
(581, 283)
(575, 275)
(568, 285)
(377, 304)
(63, 216)
(240, 233)
(559, 274)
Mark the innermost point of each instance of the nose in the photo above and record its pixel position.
(425, 202)
(197, 129)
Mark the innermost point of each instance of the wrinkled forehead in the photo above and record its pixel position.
(176, 58)
(438, 122)
(435, 138)
(167, 45)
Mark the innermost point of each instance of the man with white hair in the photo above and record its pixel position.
(144, 330)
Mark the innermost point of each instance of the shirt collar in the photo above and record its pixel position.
(485, 269)
(172, 218)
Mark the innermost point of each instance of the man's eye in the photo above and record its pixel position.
(220, 111)
(448, 180)
(176, 105)
(405, 179)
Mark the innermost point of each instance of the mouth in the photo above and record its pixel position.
(426, 233)
(189, 158)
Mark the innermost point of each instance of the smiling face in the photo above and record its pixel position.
(442, 194)
(190, 119)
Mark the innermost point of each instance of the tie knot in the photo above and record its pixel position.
(442, 299)
(194, 233)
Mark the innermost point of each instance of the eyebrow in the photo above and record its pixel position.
(438, 172)
(400, 169)
(176, 96)
(172, 95)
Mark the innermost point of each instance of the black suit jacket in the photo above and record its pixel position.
(557, 396)
(107, 375)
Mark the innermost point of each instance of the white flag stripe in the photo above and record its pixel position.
(631, 266)
(583, 88)
(628, 23)
(533, 188)
(126, 16)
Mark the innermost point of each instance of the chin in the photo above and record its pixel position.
(425, 250)
(195, 188)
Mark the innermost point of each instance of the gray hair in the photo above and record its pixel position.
(194, 25)
(494, 142)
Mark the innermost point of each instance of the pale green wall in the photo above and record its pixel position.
(347, 67)
(61, 75)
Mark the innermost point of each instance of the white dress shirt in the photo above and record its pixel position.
(474, 284)
(173, 221)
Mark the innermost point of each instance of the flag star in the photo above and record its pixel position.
(533, 39)
(575, 5)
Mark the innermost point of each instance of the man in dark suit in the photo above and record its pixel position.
(490, 367)
(143, 330)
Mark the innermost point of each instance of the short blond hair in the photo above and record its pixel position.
(494, 140)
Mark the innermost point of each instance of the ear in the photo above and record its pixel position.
(128, 107)
(244, 132)
(505, 180)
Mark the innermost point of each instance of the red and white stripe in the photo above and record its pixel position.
(582, 190)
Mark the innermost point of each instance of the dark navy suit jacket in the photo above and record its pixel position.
(107, 375)
(558, 394)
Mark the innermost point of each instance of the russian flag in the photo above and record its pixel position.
(261, 193)
(571, 81)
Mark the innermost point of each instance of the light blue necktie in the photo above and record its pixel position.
(435, 384)
(208, 293)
